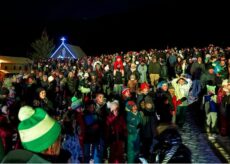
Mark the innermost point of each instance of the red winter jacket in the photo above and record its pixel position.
(175, 104)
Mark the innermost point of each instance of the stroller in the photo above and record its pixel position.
(167, 147)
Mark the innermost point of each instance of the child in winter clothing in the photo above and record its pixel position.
(116, 133)
(132, 84)
(175, 103)
(118, 81)
(46, 139)
(107, 81)
(163, 103)
(223, 104)
(210, 106)
(182, 86)
(133, 125)
(149, 124)
(142, 69)
(118, 64)
(92, 134)
(73, 131)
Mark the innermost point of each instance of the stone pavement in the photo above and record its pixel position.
(196, 140)
(221, 145)
(224, 142)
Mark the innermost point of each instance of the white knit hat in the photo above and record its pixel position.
(50, 78)
(113, 105)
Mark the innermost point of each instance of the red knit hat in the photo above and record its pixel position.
(129, 105)
(124, 91)
(144, 85)
(117, 57)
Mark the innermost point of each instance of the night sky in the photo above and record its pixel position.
(104, 26)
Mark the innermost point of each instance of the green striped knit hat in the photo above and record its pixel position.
(37, 130)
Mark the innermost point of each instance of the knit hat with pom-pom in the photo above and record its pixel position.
(76, 103)
(37, 130)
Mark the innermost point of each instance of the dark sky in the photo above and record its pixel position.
(109, 25)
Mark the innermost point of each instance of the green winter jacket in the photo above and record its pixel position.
(133, 122)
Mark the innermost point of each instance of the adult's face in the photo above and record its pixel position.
(199, 60)
(100, 99)
(45, 78)
(148, 105)
(42, 94)
(211, 71)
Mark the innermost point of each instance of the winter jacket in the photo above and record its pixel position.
(115, 128)
(107, 79)
(154, 68)
(208, 78)
(142, 69)
(211, 99)
(71, 86)
(118, 78)
(178, 69)
(92, 127)
(172, 60)
(133, 85)
(196, 88)
(223, 72)
(182, 90)
(164, 105)
(149, 123)
(133, 122)
(164, 71)
(176, 103)
(197, 69)
(136, 73)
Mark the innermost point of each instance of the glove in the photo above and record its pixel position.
(183, 99)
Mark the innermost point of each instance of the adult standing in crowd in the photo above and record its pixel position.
(154, 70)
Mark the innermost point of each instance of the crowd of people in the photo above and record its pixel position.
(110, 107)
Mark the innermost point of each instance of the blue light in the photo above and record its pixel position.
(65, 48)
(63, 39)
(69, 51)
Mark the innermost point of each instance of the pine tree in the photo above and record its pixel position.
(42, 47)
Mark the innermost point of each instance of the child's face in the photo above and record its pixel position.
(80, 109)
(165, 87)
(172, 92)
(142, 104)
(145, 90)
(128, 94)
(42, 94)
(115, 112)
(181, 82)
(100, 99)
(134, 109)
(148, 106)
